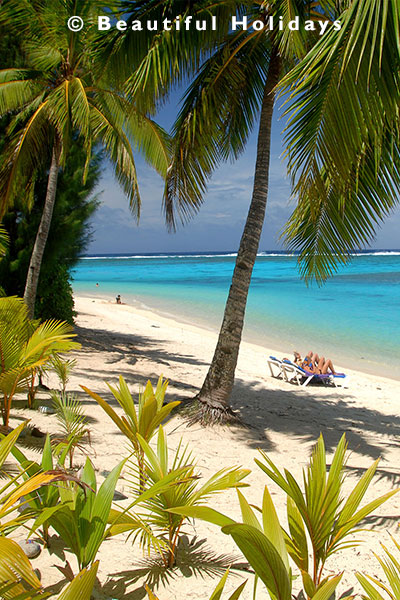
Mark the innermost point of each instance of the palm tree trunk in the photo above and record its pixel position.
(32, 278)
(217, 387)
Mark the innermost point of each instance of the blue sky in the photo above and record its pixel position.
(219, 224)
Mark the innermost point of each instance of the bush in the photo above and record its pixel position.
(55, 296)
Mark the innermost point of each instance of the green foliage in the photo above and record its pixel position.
(343, 137)
(55, 299)
(47, 497)
(150, 470)
(13, 490)
(71, 418)
(68, 237)
(63, 368)
(24, 347)
(16, 573)
(142, 421)
(320, 521)
(52, 102)
(391, 567)
(165, 525)
(4, 241)
(81, 517)
(18, 580)
(82, 585)
(321, 510)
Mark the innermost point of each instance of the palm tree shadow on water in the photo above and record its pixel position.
(194, 559)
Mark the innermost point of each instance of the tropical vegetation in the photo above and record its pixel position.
(68, 236)
(18, 580)
(25, 347)
(64, 90)
(80, 89)
(320, 523)
(165, 527)
(342, 196)
(321, 518)
(344, 163)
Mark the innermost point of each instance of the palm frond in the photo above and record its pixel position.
(232, 79)
(120, 153)
(343, 137)
(162, 59)
(4, 241)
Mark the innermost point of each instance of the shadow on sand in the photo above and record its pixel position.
(194, 558)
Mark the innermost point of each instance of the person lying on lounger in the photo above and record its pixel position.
(314, 363)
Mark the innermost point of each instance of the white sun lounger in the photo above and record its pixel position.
(292, 373)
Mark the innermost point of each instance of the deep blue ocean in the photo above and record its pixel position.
(354, 318)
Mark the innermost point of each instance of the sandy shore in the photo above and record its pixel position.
(282, 419)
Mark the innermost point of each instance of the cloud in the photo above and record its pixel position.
(220, 221)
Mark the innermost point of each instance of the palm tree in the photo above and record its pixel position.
(345, 164)
(234, 86)
(238, 83)
(63, 90)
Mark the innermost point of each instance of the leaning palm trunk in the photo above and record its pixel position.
(218, 384)
(32, 278)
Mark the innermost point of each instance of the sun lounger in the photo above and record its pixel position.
(292, 373)
(275, 367)
(302, 377)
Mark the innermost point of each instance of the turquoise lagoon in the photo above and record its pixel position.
(354, 318)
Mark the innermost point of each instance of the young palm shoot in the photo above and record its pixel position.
(47, 497)
(81, 519)
(26, 346)
(143, 420)
(391, 567)
(320, 521)
(165, 525)
(321, 510)
(63, 368)
(69, 413)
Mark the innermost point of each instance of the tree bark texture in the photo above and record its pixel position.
(217, 387)
(32, 278)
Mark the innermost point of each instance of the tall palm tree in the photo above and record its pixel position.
(345, 164)
(65, 89)
(345, 182)
(234, 87)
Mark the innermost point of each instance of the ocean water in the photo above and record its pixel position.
(354, 318)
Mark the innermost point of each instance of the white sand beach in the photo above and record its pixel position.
(282, 419)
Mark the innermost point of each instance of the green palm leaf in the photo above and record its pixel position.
(343, 137)
(15, 568)
(264, 558)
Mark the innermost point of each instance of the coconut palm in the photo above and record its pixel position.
(234, 89)
(343, 139)
(64, 90)
(237, 84)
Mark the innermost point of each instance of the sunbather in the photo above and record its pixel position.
(313, 363)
